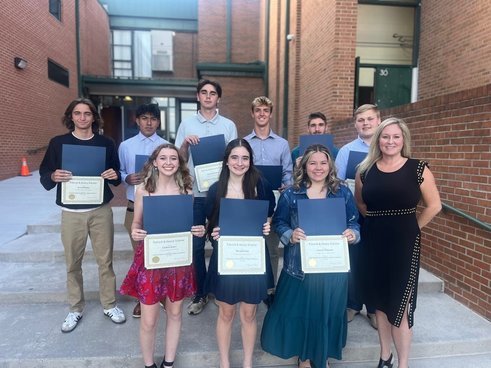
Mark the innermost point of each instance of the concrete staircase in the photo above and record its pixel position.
(33, 306)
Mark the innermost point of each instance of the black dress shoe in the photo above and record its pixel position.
(386, 363)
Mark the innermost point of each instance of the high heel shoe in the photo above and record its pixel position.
(166, 364)
(386, 363)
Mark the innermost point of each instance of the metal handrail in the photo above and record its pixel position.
(484, 225)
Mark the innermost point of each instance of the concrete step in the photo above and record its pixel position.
(51, 224)
(445, 331)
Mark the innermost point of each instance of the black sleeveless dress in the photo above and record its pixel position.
(391, 237)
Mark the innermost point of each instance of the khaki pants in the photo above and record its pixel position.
(75, 228)
(128, 220)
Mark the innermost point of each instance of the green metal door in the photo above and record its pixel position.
(392, 85)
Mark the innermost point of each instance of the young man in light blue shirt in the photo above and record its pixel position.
(144, 143)
(366, 119)
(206, 122)
(269, 149)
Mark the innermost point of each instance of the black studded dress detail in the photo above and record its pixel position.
(391, 238)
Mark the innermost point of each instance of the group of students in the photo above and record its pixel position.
(308, 317)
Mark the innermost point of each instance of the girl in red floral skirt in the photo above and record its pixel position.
(165, 174)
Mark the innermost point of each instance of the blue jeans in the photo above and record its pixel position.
(199, 218)
(355, 299)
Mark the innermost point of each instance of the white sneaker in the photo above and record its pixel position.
(116, 314)
(71, 321)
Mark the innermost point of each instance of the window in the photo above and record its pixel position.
(58, 74)
(122, 50)
(136, 54)
(55, 8)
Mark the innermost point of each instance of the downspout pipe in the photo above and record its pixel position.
(266, 52)
(229, 31)
(77, 42)
(286, 71)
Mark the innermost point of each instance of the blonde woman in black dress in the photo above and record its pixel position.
(389, 186)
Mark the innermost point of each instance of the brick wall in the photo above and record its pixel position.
(95, 41)
(185, 55)
(455, 47)
(212, 31)
(30, 104)
(245, 31)
(321, 59)
(453, 133)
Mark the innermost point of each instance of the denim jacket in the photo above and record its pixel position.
(285, 220)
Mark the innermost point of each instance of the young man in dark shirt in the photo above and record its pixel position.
(78, 221)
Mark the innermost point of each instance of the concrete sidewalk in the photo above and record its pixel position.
(24, 201)
(33, 305)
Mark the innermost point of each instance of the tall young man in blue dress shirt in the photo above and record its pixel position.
(144, 143)
(366, 119)
(205, 123)
(269, 149)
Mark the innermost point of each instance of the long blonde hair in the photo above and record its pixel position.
(151, 174)
(300, 175)
(374, 153)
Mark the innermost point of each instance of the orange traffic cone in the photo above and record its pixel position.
(24, 170)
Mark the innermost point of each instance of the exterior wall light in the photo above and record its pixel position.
(20, 63)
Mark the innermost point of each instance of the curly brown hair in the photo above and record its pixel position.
(182, 176)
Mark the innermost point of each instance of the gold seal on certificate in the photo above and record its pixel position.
(168, 250)
(207, 174)
(83, 190)
(324, 254)
(241, 255)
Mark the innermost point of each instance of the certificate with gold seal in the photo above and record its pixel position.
(168, 250)
(241, 255)
(207, 174)
(83, 190)
(324, 254)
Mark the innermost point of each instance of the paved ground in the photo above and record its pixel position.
(32, 306)
(24, 201)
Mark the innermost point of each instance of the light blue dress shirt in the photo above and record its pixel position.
(198, 125)
(128, 149)
(342, 158)
(274, 150)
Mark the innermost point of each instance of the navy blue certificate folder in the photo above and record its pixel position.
(354, 160)
(83, 160)
(322, 216)
(209, 149)
(308, 140)
(166, 214)
(140, 161)
(242, 217)
(272, 173)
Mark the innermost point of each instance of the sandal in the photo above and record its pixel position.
(166, 364)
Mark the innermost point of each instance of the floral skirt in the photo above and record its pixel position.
(152, 286)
